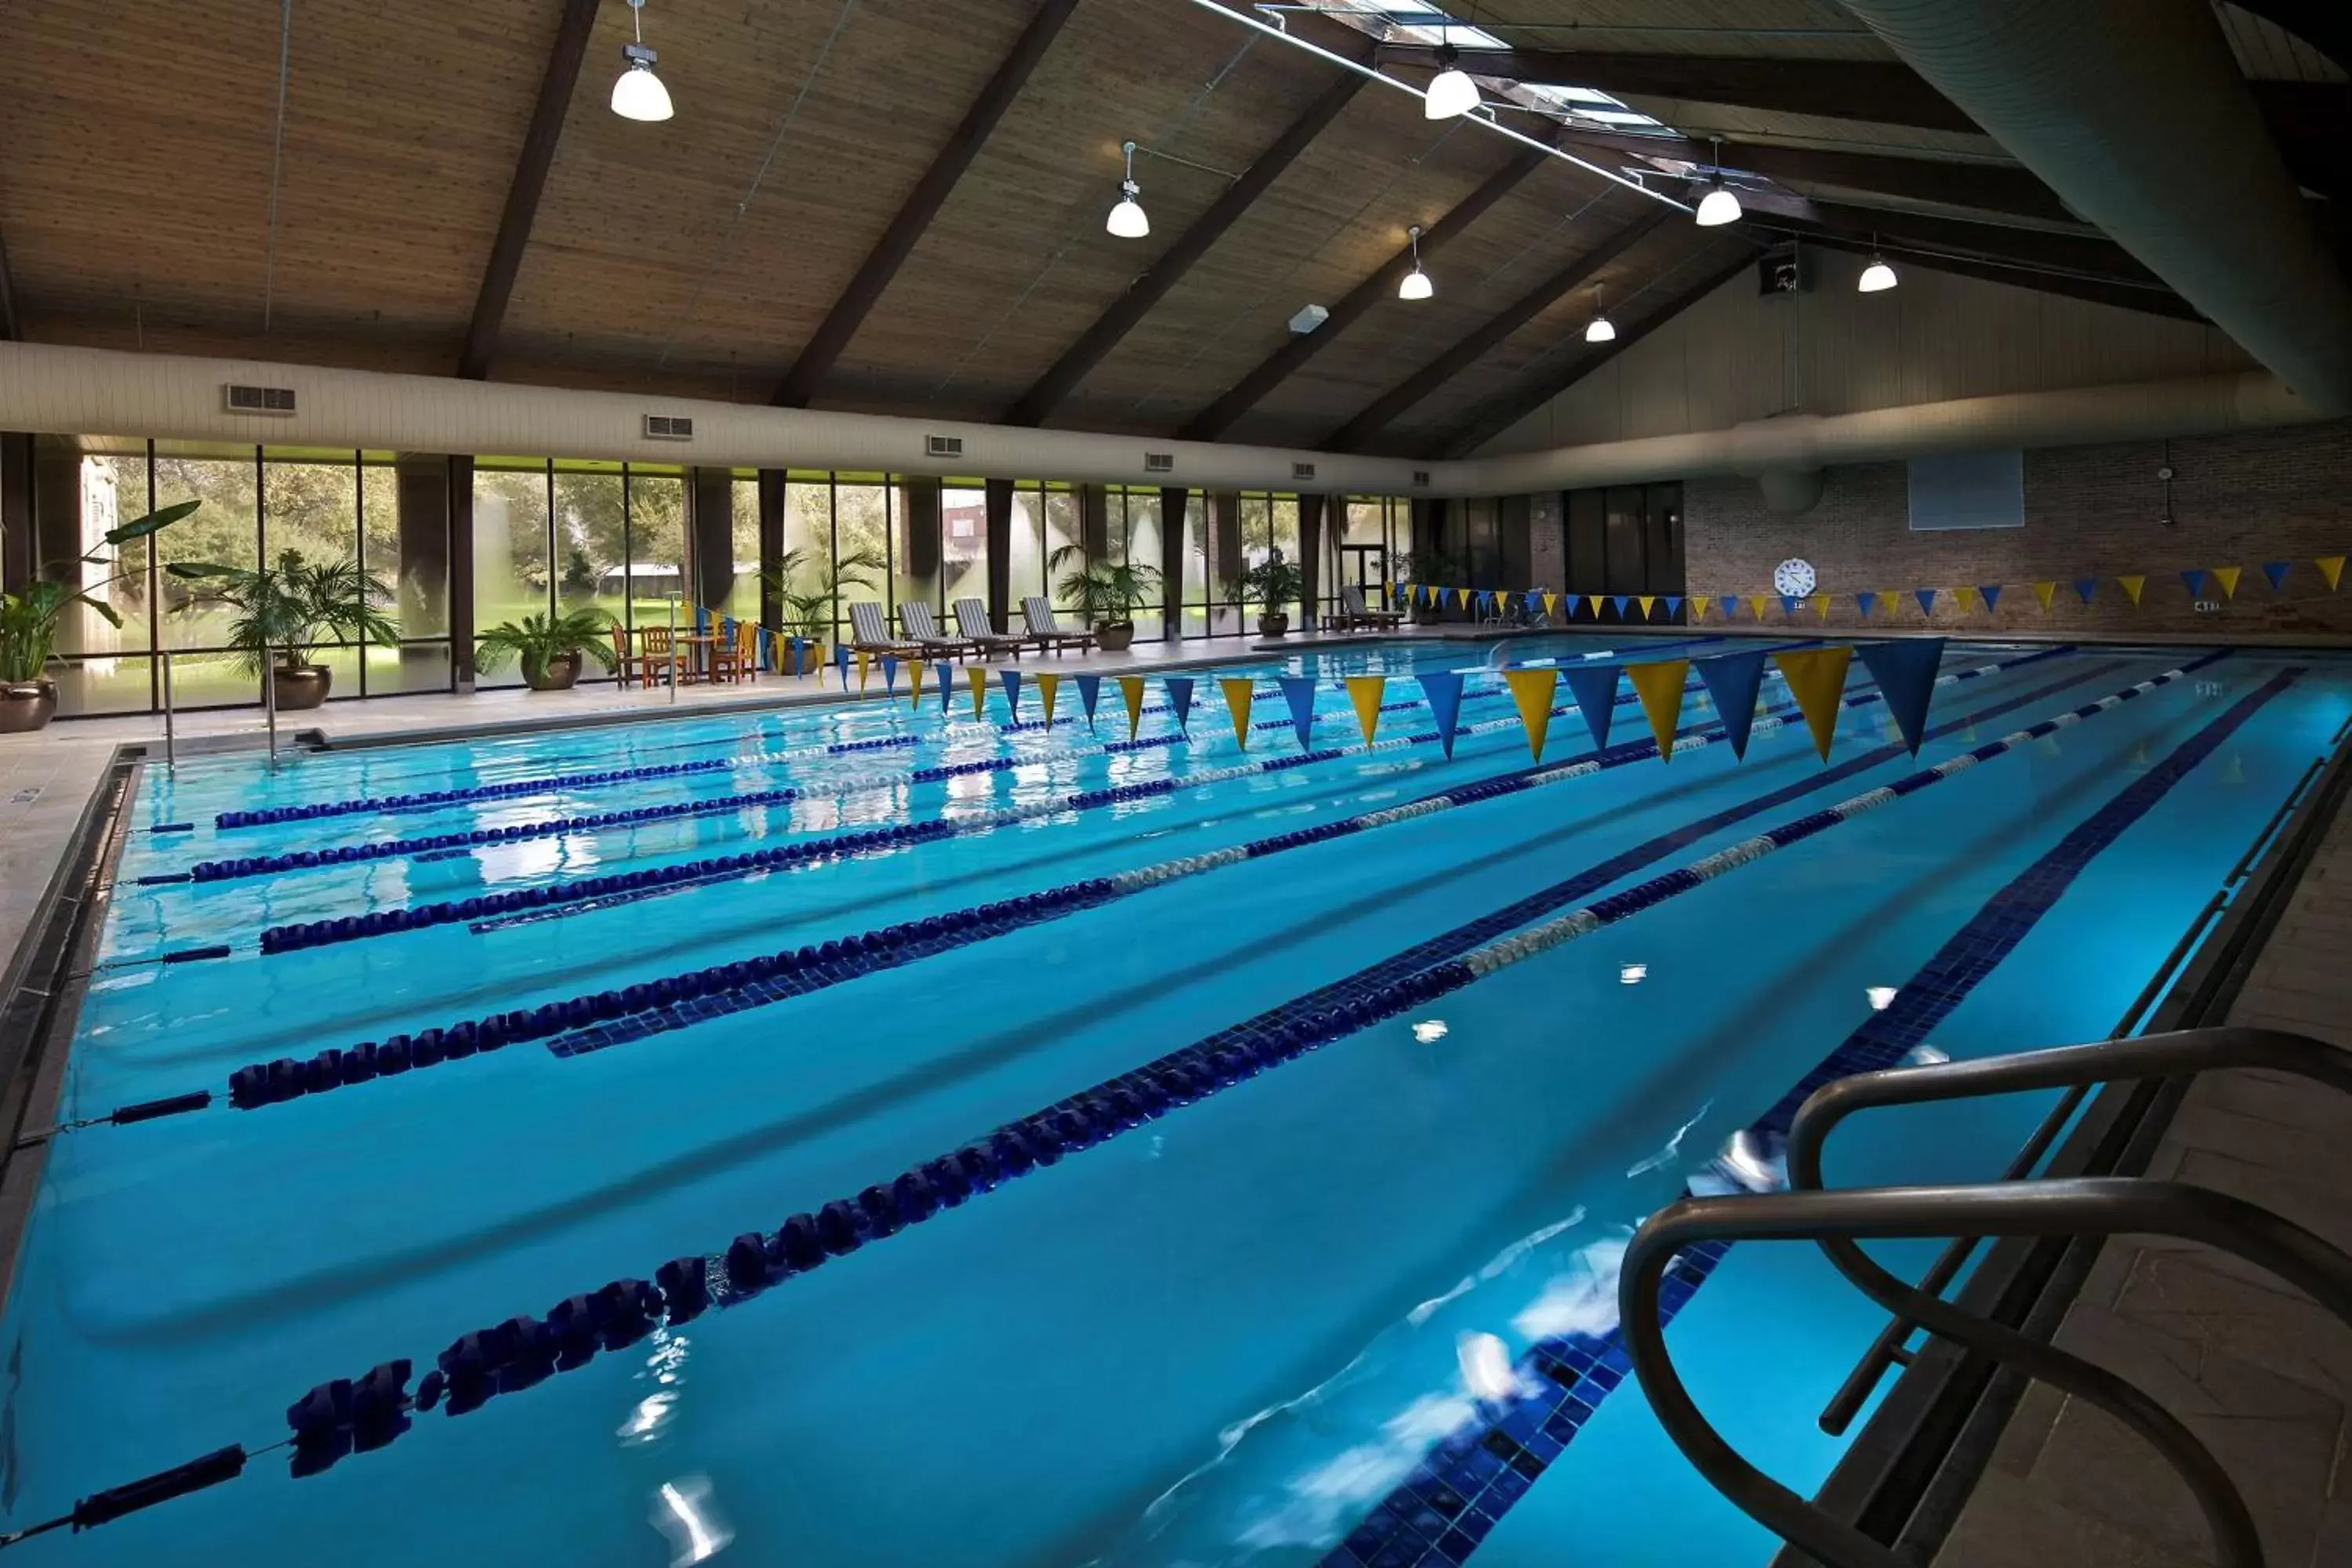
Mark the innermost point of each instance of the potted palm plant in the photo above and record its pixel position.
(550, 647)
(1276, 584)
(287, 612)
(28, 623)
(808, 583)
(1105, 591)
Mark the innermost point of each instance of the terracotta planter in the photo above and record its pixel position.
(1274, 623)
(812, 658)
(300, 688)
(556, 675)
(1114, 637)
(26, 705)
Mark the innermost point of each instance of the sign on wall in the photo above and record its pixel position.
(1972, 489)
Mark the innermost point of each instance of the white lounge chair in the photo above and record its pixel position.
(869, 633)
(916, 619)
(1038, 611)
(972, 620)
(1354, 613)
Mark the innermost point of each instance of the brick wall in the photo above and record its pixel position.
(2090, 511)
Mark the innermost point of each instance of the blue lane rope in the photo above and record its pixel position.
(343, 1416)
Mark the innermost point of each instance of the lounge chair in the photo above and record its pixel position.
(1354, 613)
(869, 633)
(916, 619)
(1038, 611)
(972, 620)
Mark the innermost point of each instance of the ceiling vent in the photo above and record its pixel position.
(1309, 316)
(278, 401)
(1159, 462)
(669, 427)
(1421, 479)
(943, 445)
(1302, 473)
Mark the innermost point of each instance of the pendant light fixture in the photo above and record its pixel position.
(1877, 278)
(1600, 329)
(1452, 93)
(638, 94)
(1415, 284)
(1718, 206)
(1127, 219)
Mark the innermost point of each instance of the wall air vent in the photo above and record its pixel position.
(1159, 462)
(669, 427)
(1421, 479)
(943, 445)
(1302, 473)
(272, 400)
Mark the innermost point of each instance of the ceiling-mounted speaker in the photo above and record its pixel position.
(1781, 270)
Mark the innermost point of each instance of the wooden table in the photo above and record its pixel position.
(696, 648)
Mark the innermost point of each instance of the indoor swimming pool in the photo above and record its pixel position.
(874, 986)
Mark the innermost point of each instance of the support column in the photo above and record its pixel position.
(998, 494)
(771, 548)
(1094, 521)
(1174, 498)
(459, 490)
(918, 555)
(711, 535)
(16, 511)
(1310, 560)
(421, 503)
(1225, 563)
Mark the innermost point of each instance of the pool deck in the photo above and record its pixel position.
(2261, 1375)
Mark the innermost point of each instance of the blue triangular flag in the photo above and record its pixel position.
(1444, 690)
(1789, 603)
(1927, 597)
(1863, 600)
(1621, 601)
(1089, 688)
(1732, 680)
(841, 662)
(2084, 587)
(1534, 601)
(946, 683)
(1595, 687)
(1299, 690)
(1906, 673)
(1991, 592)
(1011, 679)
(1180, 697)
(2277, 571)
(2196, 581)
(890, 674)
(1674, 604)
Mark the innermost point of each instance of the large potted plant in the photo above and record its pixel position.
(287, 612)
(550, 647)
(808, 585)
(1276, 584)
(1105, 594)
(28, 623)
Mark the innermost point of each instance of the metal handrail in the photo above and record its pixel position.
(2077, 1069)
(2105, 1206)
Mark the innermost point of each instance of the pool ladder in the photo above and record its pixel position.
(2082, 1208)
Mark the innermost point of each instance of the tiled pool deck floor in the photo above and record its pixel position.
(2259, 1373)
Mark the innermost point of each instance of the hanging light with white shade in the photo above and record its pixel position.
(1127, 219)
(1600, 329)
(638, 94)
(1877, 278)
(1718, 206)
(1415, 284)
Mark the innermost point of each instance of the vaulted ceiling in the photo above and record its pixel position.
(897, 206)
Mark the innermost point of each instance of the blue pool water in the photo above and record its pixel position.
(1257, 1328)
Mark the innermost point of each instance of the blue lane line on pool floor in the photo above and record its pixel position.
(1442, 1512)
(523, 1352)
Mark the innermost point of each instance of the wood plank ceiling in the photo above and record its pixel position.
(157, 192)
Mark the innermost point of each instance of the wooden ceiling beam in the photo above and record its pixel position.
(1883, 92)
(1129, 309)
(2125, 294)
(2325, 25)
(1270, 373)
(1986, 187)
(2089, 254)
(866, 287)
(1473, 346)
(1490, 418)
(530, 183)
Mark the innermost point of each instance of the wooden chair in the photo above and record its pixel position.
(736, 654)
(656, 650)
(630, 668)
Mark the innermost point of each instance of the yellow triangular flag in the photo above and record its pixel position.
(1698, 604)
(1237, 689)
(1531, 689)
(1966, 598)
(2045, 592)
(1822, 606)
(863, 657)
(1756, 603)
(1660, 687)
(977, 679)
(1816, 678)
(914, 683)
(2332, 568)
(2228, 577)
(1647, 601)
(1365, 691)
(1550, 602)
(1131, 689)
(1592, 602)
(1462, 597)
(1048, 685)
(2131, 586)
